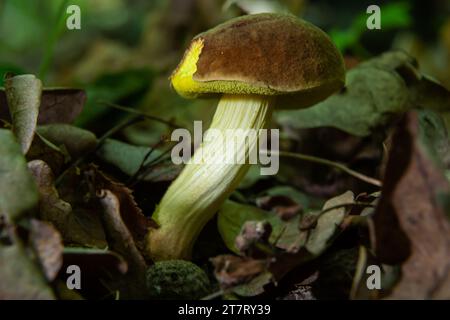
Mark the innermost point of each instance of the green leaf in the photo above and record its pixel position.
(23, 94)
(77, 141)
(328, 223)
(434, 136)
(18, 191)
(371, 97)
(232, 217)
(287, 234)
(126, 157)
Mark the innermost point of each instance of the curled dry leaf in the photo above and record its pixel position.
(121, 241)
(283, 206)
(23, 94)
(411, 225)
(253, 233)
(131, 214)
(232, 270)
(47, 244)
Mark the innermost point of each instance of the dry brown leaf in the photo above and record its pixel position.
(121, 241)
(81, 226)
(58, 105)
(411, 225)
(47, 244)
(232, 270)
(131, 214)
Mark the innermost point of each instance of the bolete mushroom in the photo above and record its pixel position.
(255, 62)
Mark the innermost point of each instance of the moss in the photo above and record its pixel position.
(177, 280)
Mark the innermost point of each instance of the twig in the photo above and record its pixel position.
(143, 164)
(330, 163)
(147, 168)
(140, 113)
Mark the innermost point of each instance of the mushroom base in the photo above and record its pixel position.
(207, 180)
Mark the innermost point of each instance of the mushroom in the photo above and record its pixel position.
(255, 63)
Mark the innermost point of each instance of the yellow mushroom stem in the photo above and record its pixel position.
(209, 177)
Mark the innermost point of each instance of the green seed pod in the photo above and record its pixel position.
(177, 280)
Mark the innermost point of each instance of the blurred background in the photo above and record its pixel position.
(126, 49)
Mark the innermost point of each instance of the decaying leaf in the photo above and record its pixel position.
(18, 192)
(23, 94)
(121, 241)
(47, 243)
(232, 270)
(76, 227)
(288, 235)
(131, 214)
(411, 223)
(252, 234)
(61, 105)
(58, 105)
(283, 206)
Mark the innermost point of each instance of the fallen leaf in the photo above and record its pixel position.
(58, 105)
(286, 235)
(80, 227)
(411, 226)
(77, 141)
(424, 92)
(61, 105)
(42, 149)
(21, 278)
(232, 270)
(252, 234)
(129, 158)
(47, 243)
(284, 207)
(376, 90)
(23, 94)
(369, 100)
(434, 136)
(131, 214)
(18, 192)
(121, 241)
(100, 268)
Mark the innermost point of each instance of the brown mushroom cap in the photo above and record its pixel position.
(266, 54)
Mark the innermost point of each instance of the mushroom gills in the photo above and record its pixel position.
(211, 175)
